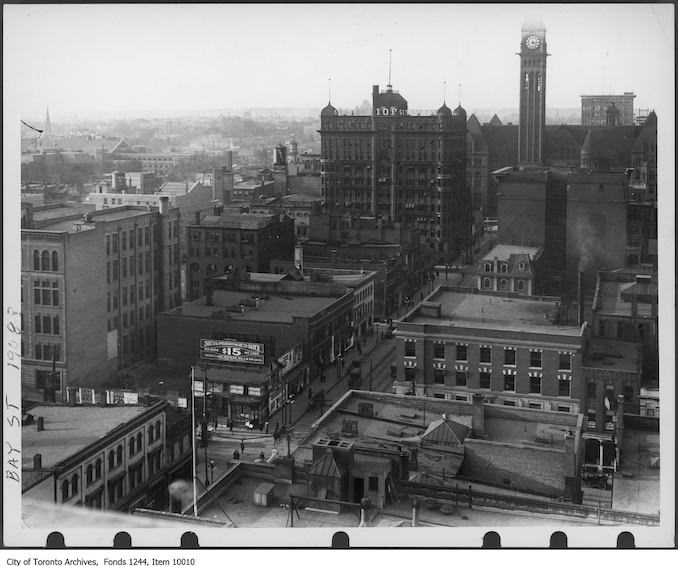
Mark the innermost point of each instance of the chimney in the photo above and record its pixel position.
(41, 424)
(197, 217)
(164, 205)
(229, 160)
(37, 462)
(416, 504)
(580, 298)
(218, 210)
(478, 415)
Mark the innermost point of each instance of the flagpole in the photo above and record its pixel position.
(195, 490)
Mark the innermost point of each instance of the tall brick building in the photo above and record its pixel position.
(91, 288)
(402, 168)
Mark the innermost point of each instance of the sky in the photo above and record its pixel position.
(89, 58)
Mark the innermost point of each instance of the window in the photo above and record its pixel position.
(564, 408)
(55, 294)
(115, 270)
(115, 243)
(591, 390)
(64, 490)
(119, 456)
(97, 469)
(485, 380)
(45, 261)
(509, 357)
(563, 388)
(461, 378)
(628, 394)
(74, 483)
(439, 376)
(509, 382)
(504, 268)
(462, 352)
(410, 348)
(535, 359)
(410, 374)
(124, 267)
(485, 355)
(89, 474)
(503, 284)
(601, 328)
(150, 434)
(38, 324)
(55, 261)
(132, 446)
(521, 285)
(124, 241)
(373, 483)
(111, 460)
(565, 361)
(157, 429)
(439, 350)
(36, 260)
(486, 283)
(488, 267)
(535, 384)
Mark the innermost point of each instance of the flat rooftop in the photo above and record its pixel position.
(503, 252)
(492, 311)
(276, 308)
(613, 355)
(69, 429)
(610, 301)
(106, 215)
(50, 212)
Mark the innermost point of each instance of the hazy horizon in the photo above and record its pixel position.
(80, 59)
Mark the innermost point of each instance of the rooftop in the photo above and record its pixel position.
(491, 311)
(55, 212)
(279, 308)
(611, 302)
(69, 429)
(503, 252)
(613, 355)
(238, 221)
(105, 215)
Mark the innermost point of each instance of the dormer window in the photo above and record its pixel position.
(488, 267)
(504, 268)
(521, 266)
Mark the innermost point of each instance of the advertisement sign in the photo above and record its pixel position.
(254, 391)
(231, 351)
(291, 359)
(181, 402)
(130, 398)
(237, 389)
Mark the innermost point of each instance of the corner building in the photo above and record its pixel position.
(402, 168)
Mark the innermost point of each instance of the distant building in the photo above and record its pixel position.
(218, 244)
(92, 286)
(405, 169)
(299, 207)
(104, 457)
(517, 351)
(510, 268)
(594, 109)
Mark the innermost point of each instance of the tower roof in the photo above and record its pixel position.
(444, 110)
(459, 111)
(533, 24)
(329, 110)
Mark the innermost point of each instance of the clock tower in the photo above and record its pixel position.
(532, 93)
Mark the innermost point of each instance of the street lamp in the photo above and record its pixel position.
(212, 466)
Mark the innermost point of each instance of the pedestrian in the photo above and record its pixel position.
(266, 428)
(261, 456)
(216, 423)
(242, 446)
(236, 454)
(277, 428)
(230, 426)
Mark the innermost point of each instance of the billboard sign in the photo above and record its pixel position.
(231, 351)
(291, 359)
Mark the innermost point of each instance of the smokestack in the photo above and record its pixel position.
(580, 298)
(164, 205)
(229, 160)
(41, 424)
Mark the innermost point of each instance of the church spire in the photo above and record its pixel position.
(48, 125)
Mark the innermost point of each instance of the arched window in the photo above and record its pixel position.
(64, 490)
(211, 269)
(140, 438)
(55, 261)
(74, 483)
(504, 268)
(36, 260)
(157, 429)
(89, 474)
(488, 267)
(150, 434)
(97, 469)
(521, 285)
(131, 446)
(486, 282)
(111, 460)
(521, 266)
(45, 261)
(502, 284)
(119, 455)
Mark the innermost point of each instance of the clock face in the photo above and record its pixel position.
(532, 42)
